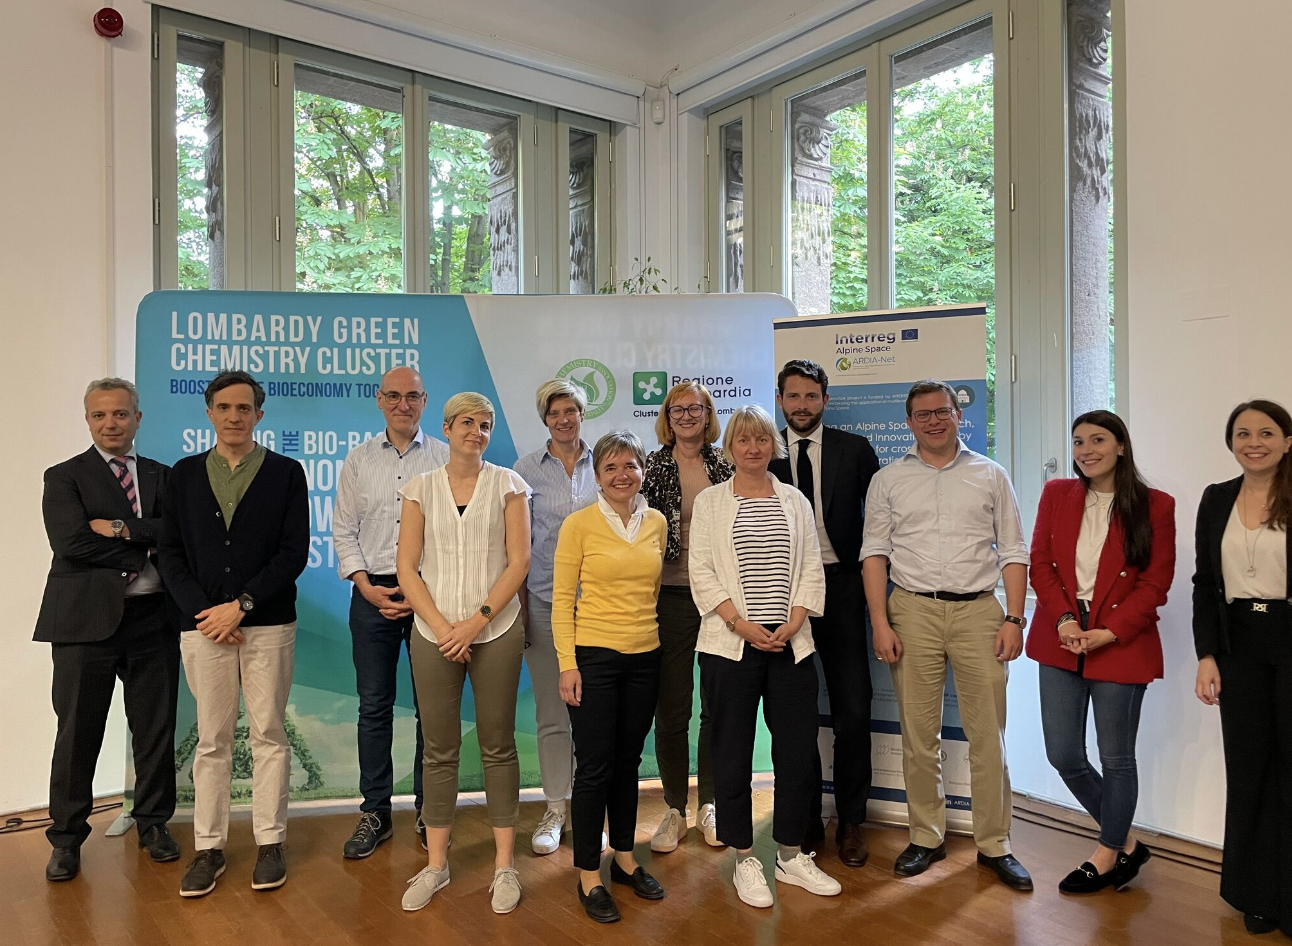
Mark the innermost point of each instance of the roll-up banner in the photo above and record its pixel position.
(320, 358)
(872, 359)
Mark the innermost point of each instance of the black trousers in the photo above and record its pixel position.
(144, 653)
(788, 692)
(609, 727)
(841, 644)
(1256, 720)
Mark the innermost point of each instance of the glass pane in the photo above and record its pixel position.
(944, 221)
(733, 207)
(828, 197)
(475, 200)
(349, 184)
(199, 146)
(1090, 202)
(583, 212)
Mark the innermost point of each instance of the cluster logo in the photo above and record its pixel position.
(843, 364)
(649, 387)
(595, 379)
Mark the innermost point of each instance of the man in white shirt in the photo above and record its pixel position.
(365, 530)
(942, 523)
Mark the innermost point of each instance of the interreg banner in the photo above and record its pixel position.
(320, 358)
(872, 360)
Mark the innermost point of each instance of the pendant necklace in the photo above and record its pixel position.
(1250, 548)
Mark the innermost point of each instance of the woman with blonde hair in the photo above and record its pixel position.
(685, 464)
(463, 554)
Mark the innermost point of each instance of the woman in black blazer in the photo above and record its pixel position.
(1242, 630)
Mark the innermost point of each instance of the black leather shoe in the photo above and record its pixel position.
(159, 844)
(1086, 879)
(1008, 869)
(814, 839)
(64, 864)
(599, 904)
(271, 868)
(372, 829)
(202, 873)
(852, 845)
(1128, 865)
(1259, 924)
(643, 884)
(916, 860)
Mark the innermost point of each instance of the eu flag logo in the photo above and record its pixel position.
(910, 334)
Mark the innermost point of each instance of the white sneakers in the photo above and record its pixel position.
(801, 871)
(423, 885)
(707, 823)
(547, 836)
(751, 885)
(505, 889)
(670, 829)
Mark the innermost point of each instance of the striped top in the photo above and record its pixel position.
(761, 535)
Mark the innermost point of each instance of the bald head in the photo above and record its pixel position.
(402, 399)
(403, 379)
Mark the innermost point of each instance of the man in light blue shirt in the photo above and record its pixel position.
(365, 530)
(563, 481)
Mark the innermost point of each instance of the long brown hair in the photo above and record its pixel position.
(1281, 508)
(1130, 500)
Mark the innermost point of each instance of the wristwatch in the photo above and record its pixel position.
(487, 612)
(731, 625)
(118, 527)
(246, 603)
(1021, 622)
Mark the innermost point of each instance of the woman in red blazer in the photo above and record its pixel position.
(1103, 557)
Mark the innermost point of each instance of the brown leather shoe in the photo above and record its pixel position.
(852, 845)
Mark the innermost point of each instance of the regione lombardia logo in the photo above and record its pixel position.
(649, 387)
(595, 379)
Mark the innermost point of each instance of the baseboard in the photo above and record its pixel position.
(1169, 846)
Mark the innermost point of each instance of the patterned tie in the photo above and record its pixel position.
(121, 467)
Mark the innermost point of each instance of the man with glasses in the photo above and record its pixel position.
(942, 524)
(833, 468)
(365, 528)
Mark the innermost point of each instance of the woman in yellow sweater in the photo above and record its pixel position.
(610, 555)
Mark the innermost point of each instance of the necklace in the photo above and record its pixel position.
(1255, 535)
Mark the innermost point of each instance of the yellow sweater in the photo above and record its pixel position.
(618, 581)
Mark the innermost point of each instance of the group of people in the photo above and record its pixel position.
(605, 568)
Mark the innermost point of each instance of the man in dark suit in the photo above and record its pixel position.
(105, 616)
(236, 538)
(833, 469)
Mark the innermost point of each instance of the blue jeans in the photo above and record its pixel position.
(376, 643)
(1110, 797)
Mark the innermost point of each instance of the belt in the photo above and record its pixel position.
(1261, 605)
(952, 595)
(386, 581)
(842, 568)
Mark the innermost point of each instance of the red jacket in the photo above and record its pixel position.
(1126, 599)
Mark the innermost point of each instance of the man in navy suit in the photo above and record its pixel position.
(104, 615)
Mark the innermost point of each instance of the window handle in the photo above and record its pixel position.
(1049, 469)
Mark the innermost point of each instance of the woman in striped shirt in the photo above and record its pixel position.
(756, 577)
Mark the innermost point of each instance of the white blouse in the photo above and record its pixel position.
(1262, 552)
(1090, 541)
(463, 556)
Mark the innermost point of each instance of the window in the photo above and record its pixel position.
(731, 222)
(199, 120)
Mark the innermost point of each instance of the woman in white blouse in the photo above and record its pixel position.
(1242, 631)
(463, 554)
(756, 577)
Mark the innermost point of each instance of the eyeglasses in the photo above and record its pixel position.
(678, 411)
(392, 398)
(942, 413)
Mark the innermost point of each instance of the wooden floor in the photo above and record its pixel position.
(122, 897)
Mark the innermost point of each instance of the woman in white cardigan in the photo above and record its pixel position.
(756, 577)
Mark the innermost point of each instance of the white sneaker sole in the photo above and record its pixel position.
(784, 877)
(545, 848)
(770, 900)
(203, 893)
(712, 841)
(272, 885)
(506, 911)
(420, 906)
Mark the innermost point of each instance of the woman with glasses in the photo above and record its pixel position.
(563, 482)
(685, 464)
(1103, 558)
(463, 553)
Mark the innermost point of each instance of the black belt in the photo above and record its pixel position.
(1261, 605)
(953, 595)
(842, 568)
(386, 581)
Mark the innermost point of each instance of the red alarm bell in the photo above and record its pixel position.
(108, 23)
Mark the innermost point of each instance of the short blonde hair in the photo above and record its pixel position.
(752, 419)
(615, 443)
(664, 430)
(550, 391)
(466, 402)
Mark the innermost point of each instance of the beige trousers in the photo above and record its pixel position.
(261, 667)
(963, 633)
(494, 669)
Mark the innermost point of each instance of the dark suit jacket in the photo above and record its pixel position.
(847, 464)
(1210, 612)
(265, 551)
(1126, 598)
(86, 589)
